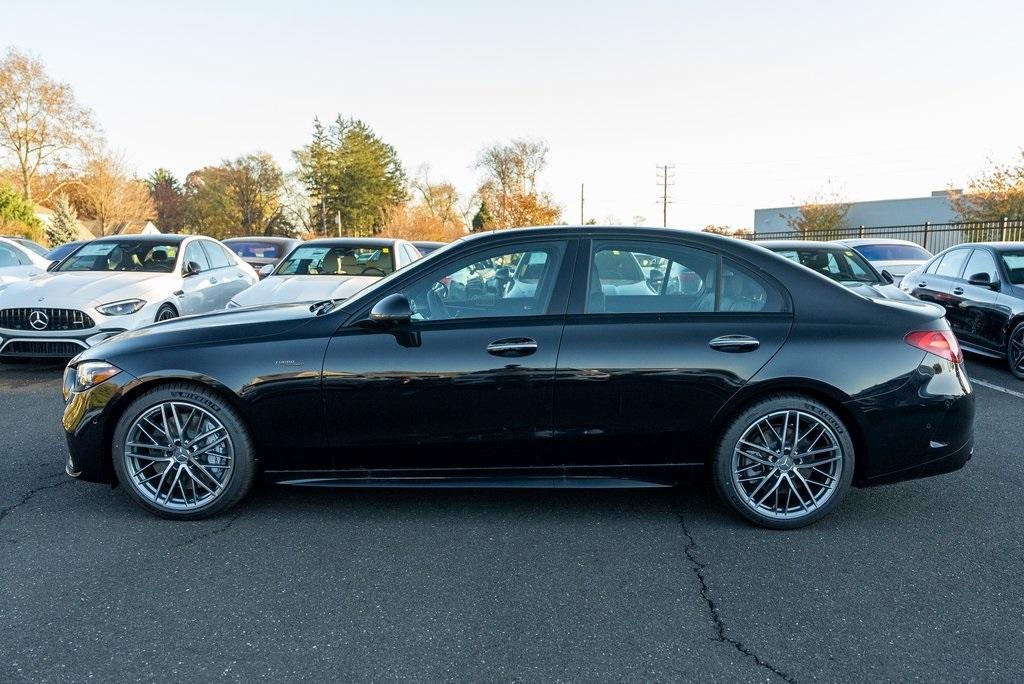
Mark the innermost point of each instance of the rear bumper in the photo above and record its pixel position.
(951, 461)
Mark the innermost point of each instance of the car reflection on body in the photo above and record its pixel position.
(789, 387)
(327, 269)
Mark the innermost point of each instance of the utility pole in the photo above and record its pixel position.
(581, 204)
(665, 176)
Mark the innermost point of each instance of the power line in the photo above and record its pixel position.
(666, 172)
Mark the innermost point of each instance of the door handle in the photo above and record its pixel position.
(179, 293)
(512, 346)
(734, 343)
(958, 290)
(922, 284)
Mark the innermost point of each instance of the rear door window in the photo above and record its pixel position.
(952, 263)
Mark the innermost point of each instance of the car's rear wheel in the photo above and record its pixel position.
(166, 313)
(784, 462)
(182, 452)
(1015, 351)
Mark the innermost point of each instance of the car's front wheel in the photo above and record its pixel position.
(166, 313)
(784, 462)
(1015, 351)
(182, 452)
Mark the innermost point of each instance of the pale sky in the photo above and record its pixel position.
(756, 103)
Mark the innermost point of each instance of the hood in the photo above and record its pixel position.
(298, 289)
(81, 289)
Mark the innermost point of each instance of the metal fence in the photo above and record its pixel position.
(934, 237)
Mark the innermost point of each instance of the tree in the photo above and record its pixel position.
(208, 208)
(242, 196)
(998, 193)
(821, 217)
(509, 187)
(42, 126)
(439, 200)
(717, 230)
(110, 195)
(352, 175)
(63, 227)
(482, 218)
(169, 199)
(18, 215)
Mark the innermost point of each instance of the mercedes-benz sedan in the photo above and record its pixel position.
(788, 387)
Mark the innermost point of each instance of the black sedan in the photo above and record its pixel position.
(547, 357)
(981, 288)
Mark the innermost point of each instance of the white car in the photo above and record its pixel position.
(18, 262)
(897, 257)
(327, 269)
(111, 285)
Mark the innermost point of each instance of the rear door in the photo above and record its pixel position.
(936, 283)
(650, 353)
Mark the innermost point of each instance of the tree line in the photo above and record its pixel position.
(346, 180)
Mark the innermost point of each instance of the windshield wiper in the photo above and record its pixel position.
(325, 306)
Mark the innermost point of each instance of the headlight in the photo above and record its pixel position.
(233, 305)
(91, 373)
(122, 308)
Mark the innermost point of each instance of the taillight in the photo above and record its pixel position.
(939, 342)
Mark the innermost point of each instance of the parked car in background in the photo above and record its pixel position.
(261, 252)
(330, 268)
(17, 261)
(426, 247)
(790, 387)
(61, 251)
(32, 246)
(895, 257)
(840, 263)
(981, 288)
(115, 284)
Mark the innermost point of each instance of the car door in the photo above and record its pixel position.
(645, 364)
(980, 320)
(196, 294)
(226, 278)
(467, 383)
(938, 280)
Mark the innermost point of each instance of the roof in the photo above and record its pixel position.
(273, 239)
(160, 238)
(351, 241)
(997, 246)
(856, 242)
(429, 243)
(799, 244)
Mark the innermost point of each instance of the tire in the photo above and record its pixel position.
(1015, 351)
(211, 454)
(761, 478)
(166, 313)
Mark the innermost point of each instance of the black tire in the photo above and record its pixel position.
(1015, 351)
(166, 313)
(241, 477)
(722, 466)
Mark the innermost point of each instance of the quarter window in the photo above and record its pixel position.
(512, 281)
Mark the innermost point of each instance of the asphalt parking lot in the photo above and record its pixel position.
(917, 580)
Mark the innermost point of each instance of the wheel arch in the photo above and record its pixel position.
(833, 398)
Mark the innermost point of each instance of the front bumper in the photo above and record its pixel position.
(88, 423)
(68, 343)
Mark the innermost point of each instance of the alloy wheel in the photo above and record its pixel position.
(178, 456)
(166, 315)
(1016, 351)
(787, 464)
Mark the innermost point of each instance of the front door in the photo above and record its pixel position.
(468, 382)
(658, 337)
(197, 291)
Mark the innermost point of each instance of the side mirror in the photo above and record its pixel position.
(52, 266)
(888, 277)
(392, 310)
(191, 269)
(983, 280)
(266, 270)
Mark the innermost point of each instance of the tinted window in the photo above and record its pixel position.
(982, 262)
(123, 255)
(195, 253)
(1014, 263)
(629, 277)
(219, 258)
(344, 259)
(742, 291)
(952, 263)
(489, 284)
(255, 250)
(9, 257)
(841, 265)
(893, 252)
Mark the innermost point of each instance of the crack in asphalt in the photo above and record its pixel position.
(699, 568)
(4, 512)
(210, 533)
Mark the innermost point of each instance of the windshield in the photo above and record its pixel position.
(143, 256)
(893, 252)
(841, 265)
(255, 250)
(347, 259)
(1014, 263)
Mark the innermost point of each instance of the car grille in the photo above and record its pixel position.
(55, 349)
(56, 319)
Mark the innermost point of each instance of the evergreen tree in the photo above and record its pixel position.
(482, 218)
(63, 227)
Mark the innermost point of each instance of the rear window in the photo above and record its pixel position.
(255, 250)
(893, 252)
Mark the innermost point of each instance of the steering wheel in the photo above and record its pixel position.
(373, 268)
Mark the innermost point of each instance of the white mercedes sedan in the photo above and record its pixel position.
(18, 262)
(111, 285)
(328, 269)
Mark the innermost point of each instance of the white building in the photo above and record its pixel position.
(890, 212)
